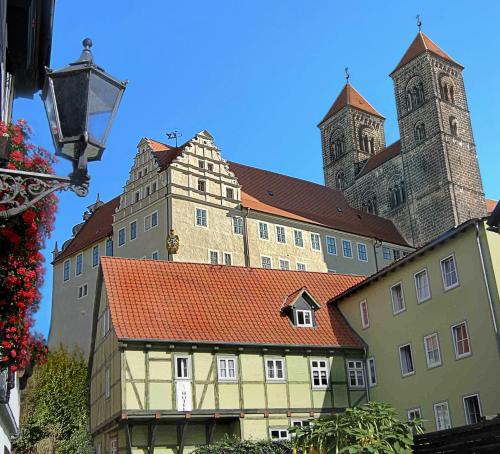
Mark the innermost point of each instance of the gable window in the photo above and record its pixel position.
(266, 262)
(133, 230)
(202, 185)
(66, 267)
(432, 352)
(422, 286)
(275, 370)
(155, 255)
(315, 242)
(201, 217)
(347, 249)
(319, 373)
(227, 368)
(355, 374)
(82, 291)
(363, 309)
(183, 367)
(449, 272)
(263, 231)
(210, 167)
(362, 254)
(398, 301)
(284, 264)
(406, 359)
(387, 253)
(109, 247)
(95, 256)
(331, 245)
(79, 264)
(298, 238)
(201, 164)
(121, 237)
(107, 383)
(461, 342)
(303, 317)
(372, 372)
(301, 266)
(442, 415)
(472, 408)
(213, 257)
(228, 258)
(237, 225)
(280, 234)
(278, 433)
(137, 196)
(230, 193)
(105, 322)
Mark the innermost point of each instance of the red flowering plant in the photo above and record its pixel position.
(21, 263)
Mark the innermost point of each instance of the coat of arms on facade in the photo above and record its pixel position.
(172, 242)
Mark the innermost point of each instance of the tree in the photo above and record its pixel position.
(54, 407)
(371, 428)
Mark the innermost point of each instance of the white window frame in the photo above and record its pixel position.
(196, 217)
(240, 229)
(153, 213)
(259, 223)
(305, 324)
(355, 369)
(439, 404)
(130, 230)
(301, 422)
(210, 251)
(456, 284)
(406, 374)
(83, 294)
(350, 247)
(318, 249)
(275, 360)
(411, 412)
(283, 261)
(334, 245)
(66, 271)
(201, 164)
(454, 340)
(466, 413)
(94, 248)
(107, 382)
(280, 430)
(124, 237)
(301, 265)
(137, 196)
(270, 262)
(419, 300)
(320, 369)
(372, 379)
(278, 235)
(157, 253)
(394, 311)
(427, 359)
(202, 182)
(227, 254)
(298, 234)
(388, 250)
(189, 368)
(227, 358)
(364, 323)
(81, 264)
(366, 252)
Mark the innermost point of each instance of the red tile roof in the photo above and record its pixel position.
(302, 200)
(349, 96)
(169, 301)
(378, 159)
(157, 146)
(422, 43)
(98, 226)
(490, 205)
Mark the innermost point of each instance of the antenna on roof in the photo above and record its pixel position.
(346, 74)
(419, 23)
(175, 134)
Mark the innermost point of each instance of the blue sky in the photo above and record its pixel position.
(259, 75)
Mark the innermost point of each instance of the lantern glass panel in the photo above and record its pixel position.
(48, 101)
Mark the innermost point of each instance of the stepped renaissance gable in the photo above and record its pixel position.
(426, 182)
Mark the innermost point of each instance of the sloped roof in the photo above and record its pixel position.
(349, 96)
(378, 159)
(171, 301)
(291, 299)
(157, 146)
(422, 43)
(303, 200)
(98, 226)
(490, 205)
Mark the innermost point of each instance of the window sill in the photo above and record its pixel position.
(409, 374)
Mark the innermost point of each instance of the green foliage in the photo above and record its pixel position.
(372, 428)
(233, 445)
(54, 408)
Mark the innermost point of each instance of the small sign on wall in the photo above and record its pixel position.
(184, 396)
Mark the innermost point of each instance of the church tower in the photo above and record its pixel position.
(351, 132)
(439, 163)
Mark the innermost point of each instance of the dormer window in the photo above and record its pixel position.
(300, 306)
(303, 317)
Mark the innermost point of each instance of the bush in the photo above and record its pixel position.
(233, 445)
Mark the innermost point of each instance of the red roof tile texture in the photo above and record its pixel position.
(378, 159)
(422, 43)
(490, 205)
(169, 301)
(349, 96)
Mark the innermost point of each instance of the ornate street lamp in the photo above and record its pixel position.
(81, 101)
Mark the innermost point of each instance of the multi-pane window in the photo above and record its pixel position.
(331, 245)
(278, 433)
(396, 254)
(201, 217)
(66, 267)
(230, 193)
(298, 238)
(95, 256)
(237, 225)
(79, 264)
(121, 237)
(263, 231)
(228, 258)
(414, 413)
(202, 185)
(109, 247)
(155, 255)
(114, 446)
(363, 309)
(472, 409)
(154, 219)
(266, 262)
(133, 230)
(449, 272)
(461, 340)
(275, 370)
(107, 383)
(137, 196)
(362, 254)
(406, 359)
(432, 352)
(372, 372)
(397, 297)
(422, 286)
(182, 367)
(442, 415)
(280, 234)
(210, 167)
(315, 242)
(82, 291)
(284, 264)
(213, 257)
(386, 253)
(227, 368)
(304, 317)
(355, 374)
(319, 373)
(347, 248)
(201, 164)
(301, 266)
(300, 423)
(151, 221)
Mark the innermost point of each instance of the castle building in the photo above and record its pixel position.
(426, 182)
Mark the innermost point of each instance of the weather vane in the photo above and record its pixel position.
(346, 71)
(174, 135)
(419, 23)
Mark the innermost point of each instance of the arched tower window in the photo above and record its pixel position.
(420, 132)
(415, 95)
(447, 88)
(396, 192)
(366, 140)
(340, 180)
(453, 126)
(369, 203)
(337, 144)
